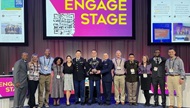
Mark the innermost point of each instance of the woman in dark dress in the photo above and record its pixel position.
(145, 74)
(68, 78)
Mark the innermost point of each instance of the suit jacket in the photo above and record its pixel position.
(20, 73)
(161, 67)
(98, 66)
(106, 70)
(79, 73)
(128, 66)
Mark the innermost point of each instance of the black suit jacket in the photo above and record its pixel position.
(79, 73)
(161, 67)
(98, 67)
(128, 66)
(106, 70)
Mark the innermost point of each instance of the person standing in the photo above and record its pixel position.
(57, 81)
(175, 77)
(94, 64)
(132, 79)
(20, 81)
(68, 78)
(158, 77)
(145, 74)
(79, 75)
(33, 79)
(46, 63)
(119, 78)
(107, 66)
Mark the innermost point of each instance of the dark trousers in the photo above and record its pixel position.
(97, 82)
(147, 96)
(79, 87)
(107, 91)
(32, 86)
(159, 81)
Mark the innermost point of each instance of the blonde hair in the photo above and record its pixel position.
(33, 55)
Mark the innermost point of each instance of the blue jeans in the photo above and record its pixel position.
(92, 90)
(79, 87)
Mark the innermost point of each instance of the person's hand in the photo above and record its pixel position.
(17, 85)
(98, 72)
(181, 81)
(62, 74)
(91, 72)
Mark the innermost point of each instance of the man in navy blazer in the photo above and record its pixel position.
(107, 66)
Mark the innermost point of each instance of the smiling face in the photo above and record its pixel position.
(47, 52)
(118, 54)
(78, 54)
(69, 59)
(24, 56)
(144, 59)
(94, 54)
(58, 61)
(34, 58)
(157, 53)
(105, 56)
(171, 53)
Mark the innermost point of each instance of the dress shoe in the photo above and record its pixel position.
(156, 104)
(82, 103)
(100, 103)
(77, 102)
(135, 103)
(117, 103)
(130, 103)
(89, 103)
(163, 106)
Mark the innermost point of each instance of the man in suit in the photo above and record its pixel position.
(20, 81)
(132, 79)
(94, 64)
(158, 77)
(79, 75)
(107, 66)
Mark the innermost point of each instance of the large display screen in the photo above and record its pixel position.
(12, 22)
(88, 18)
(170, 21)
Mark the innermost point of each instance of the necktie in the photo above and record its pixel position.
(157, 61)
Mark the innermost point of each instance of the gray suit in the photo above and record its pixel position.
(20, 76)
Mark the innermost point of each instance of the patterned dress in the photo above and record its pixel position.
(57, 82)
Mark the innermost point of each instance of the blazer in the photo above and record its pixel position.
(20, 73)
(79, 72)
(107, 66)
(98, 67)
(161, 67)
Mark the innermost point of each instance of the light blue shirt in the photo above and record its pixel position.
(46, 64)
(176, 65)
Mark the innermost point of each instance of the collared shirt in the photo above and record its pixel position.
(34, 70)
(46, 64)
(119, 63)
(176, 65)
(157, 60)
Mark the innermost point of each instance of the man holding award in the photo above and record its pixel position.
(95, 64)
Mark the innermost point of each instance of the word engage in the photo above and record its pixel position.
(116, 8)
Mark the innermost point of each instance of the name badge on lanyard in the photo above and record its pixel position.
(132, 71)
(155, 68)
(45, 68)
(36, 73)
(145, 75)
(58, 77)
(118, 66)
(171, 68)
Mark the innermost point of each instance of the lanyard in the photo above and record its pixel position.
(117, 63)
(58, 70)
(45, 61)
(172, 65)
(35, 67)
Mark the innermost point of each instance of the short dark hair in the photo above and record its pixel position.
(171, 49)
(78, 51)
(68, 56)
(131, 54)
(57, 58)
(156, 50)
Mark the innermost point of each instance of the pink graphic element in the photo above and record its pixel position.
(58, 5)
(6, 87)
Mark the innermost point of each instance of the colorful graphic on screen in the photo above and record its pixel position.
(170, 21)
(89, 18)
(6, 87)
(12, 22)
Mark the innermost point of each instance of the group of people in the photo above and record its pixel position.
(70, 75)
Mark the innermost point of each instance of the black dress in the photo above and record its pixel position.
(145, 81)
